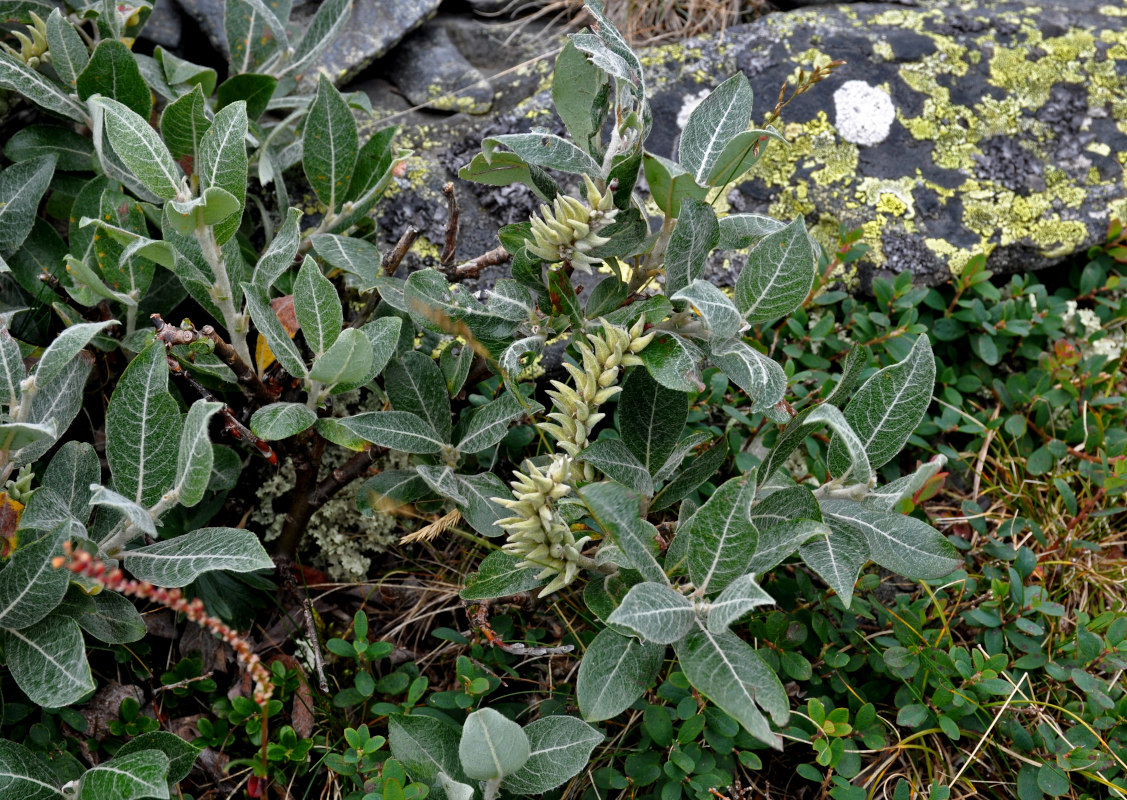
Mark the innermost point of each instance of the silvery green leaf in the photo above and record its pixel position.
(615, 671)
(723, 539)
(455, 362)
(614, 459)
(903, 544)
(510, 300)
(72, 469)
(22, 186)
(30, 587)
(58, 402)
(727, 671)
(787, 504)
(279, 255)
(330, 19)
(838, 559)
(614, 63)
(383, 334)
(143, 427)
(75, 152)
(22, 775)
(655, 612)
(355, 256)
(442, 480)
(740, 596)
(544, 150)
(226, 467)
(179, 561)
(446, 787)
(651, 417)
(758, 375)
(69, 55)
(16, 435)
(695, 236)
(780, 541)
(139, 147)
(330, 144)
(254, 32)
(560, 749)
(887, 408)
(424, 746)
(886, 497)
(392, 292)
(107, 616)
(674, 362)
(181, 754)
(614, 41)
(807, 422)
(281, 420)
(697, 472)
(742, 153)
(48, 661)
(331, 429)
(193, 462)
(617, 511)
(486, 425)
(137, 516)
(223, 163)
(12, 371)
(182, 73)
(580, 95)
(718, 118)
(778, 274)
(46, 510)
(479, 508)
(183, 124)
(714, 307)
(268, 326)
(395, 430)
(513, 359)
(670, 184)
(492, 746)
(683, 448)
(414, 383)
(317, 307)
(498, 575)
(855, 364)
(348, 361)
(132, 776)
(18, 77)
(390, 489)
(113, 72)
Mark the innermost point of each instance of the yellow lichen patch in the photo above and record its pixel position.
(1031, 79)
(1113, 11)
(883, 50)
(956, 258)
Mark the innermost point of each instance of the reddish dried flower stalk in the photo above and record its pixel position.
(82, 563)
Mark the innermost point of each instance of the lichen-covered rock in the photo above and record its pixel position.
(956, 128)
(430, 71)
(164, 25)
(959, 127)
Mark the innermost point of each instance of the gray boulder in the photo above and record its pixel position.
(431, 72)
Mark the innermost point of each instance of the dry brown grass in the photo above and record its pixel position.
(644, 22)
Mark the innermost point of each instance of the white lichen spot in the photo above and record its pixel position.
(863, 114)
(690, 103)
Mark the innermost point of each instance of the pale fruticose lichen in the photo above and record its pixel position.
(339, 540)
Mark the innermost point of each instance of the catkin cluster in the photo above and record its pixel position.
(536, 530)
(576, 410)
(33, 47)
(568, 230)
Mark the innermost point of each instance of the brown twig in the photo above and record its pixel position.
(480, 618)
(307, 463)
(342, 476)
(231, 425)
(171, 335)
(390, 266)
(310, 627)
(474, 267)
(450, 248)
